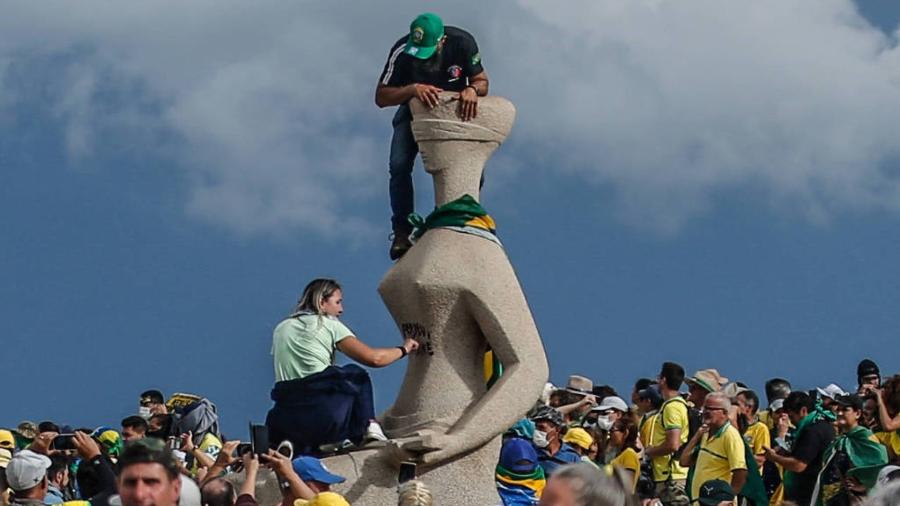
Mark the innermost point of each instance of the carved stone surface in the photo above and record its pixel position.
(457, 294)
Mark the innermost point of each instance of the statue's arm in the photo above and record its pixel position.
(504, 319)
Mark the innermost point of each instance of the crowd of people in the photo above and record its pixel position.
(704, 439)
(678, 440)
(675, 441)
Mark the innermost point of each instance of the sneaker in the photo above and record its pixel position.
(400, 244)
(286, 448)
(336, 447)
(374, 432)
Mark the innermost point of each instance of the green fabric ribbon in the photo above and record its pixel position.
(464, 211)
(866, 456)
(537, 474)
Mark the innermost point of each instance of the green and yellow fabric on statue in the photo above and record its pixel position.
(464, 212)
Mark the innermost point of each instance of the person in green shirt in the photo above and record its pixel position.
(317, 402)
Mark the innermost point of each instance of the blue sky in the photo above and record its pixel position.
(712, 184)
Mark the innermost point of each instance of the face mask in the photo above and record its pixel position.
(540, 439)
(144, 412)
(604, 423)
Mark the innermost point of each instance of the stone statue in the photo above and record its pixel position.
(457, 294)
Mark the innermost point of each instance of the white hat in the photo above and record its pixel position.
(612, 402)
(831, 391)
(776, 405)
(26, 469)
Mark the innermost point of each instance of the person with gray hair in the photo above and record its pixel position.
(585, 485)
(721, 454)
(886, 496)
(413, 493)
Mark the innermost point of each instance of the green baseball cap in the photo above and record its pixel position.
(714, 492)
(424, 34)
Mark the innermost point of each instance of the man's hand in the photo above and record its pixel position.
(42, 442)
(428, 94)
(852, 484)
(251, 463)
(224, 459)
(771, 454)
(86, 446)
(703, 429)
(587, 400)
(187, 442)
(468, 104)
(278, 463)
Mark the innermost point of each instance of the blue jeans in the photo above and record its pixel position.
(403, 157)
(402, 160)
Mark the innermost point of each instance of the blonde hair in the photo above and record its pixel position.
(315, 293)
(413, 493)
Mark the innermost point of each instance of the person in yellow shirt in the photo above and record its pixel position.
(755, 433)
(648, 402)
(623, 436)
(716, 452)
(670, 432)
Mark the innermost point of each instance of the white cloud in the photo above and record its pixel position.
(668, 102)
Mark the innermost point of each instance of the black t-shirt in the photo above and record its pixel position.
(809, 448)
(458, 61)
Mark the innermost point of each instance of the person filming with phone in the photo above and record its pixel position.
(316, 401)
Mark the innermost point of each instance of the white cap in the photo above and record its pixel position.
(26, 469)
(612, 402)
(831, 391)
(776, 405)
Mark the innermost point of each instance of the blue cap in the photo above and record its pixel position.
(518, 456)
(312, 469)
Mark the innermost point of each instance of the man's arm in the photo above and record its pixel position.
(738, 479)
(297, 488)
(687, 455)
(667, 447)
(468, 97)
(791, 464)
(251, 467)
(480, 83)
(387, 96)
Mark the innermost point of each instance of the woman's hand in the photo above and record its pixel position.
(410, 344)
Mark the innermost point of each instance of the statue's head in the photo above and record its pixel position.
(445, 141)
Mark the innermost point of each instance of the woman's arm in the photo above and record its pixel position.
(375, 357)
(887, 423)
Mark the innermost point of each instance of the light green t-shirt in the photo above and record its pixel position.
(305, 345)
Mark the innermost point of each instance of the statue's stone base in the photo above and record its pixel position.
(372, 478)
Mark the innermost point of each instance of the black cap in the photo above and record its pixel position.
(866, 367)
(548, 413)
(852, 400)
(715, 491)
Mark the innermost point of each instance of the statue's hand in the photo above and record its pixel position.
(432, 448)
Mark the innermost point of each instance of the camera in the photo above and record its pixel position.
(174, 443)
